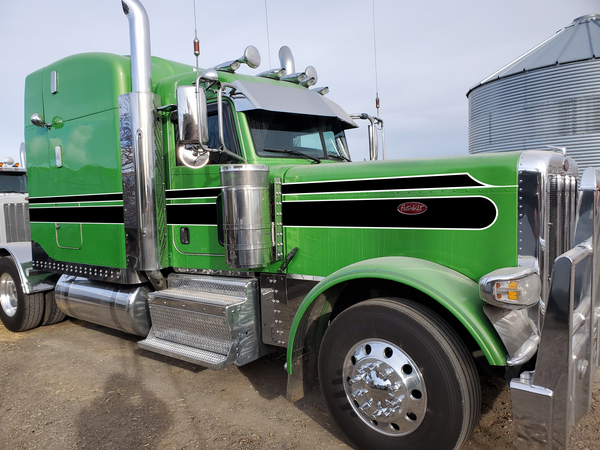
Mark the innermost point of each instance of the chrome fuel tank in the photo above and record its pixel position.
(121, 307)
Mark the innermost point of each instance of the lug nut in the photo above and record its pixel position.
(359, 392)
(387, 372)
(367, 404)
(358, 378)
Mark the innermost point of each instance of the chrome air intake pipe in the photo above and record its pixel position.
(246, 216)
(141, 153)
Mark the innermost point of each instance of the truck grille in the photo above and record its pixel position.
(16, 222)
(547, 204)
(562, 204)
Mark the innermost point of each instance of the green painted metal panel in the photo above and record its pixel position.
(102, 244)
(457, 293)
(496, 169)
(203, 241)
(85, 133)
(472, 252)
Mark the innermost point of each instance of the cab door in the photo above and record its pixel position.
(193, 199)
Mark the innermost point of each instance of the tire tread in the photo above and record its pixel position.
(52, 314)
(466, 365)
(33, 310)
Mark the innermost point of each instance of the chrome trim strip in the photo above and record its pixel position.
(297, 276)
(54, 82)
(278, 223)
(31, 280)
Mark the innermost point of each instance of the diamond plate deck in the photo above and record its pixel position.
(203, 358)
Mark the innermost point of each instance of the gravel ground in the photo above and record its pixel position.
(76, 385)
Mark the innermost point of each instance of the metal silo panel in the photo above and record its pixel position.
(557, 106)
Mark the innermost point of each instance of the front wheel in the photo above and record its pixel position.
(18, 311)
(396, 376)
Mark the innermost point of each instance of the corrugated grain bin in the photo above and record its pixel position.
(550, 96)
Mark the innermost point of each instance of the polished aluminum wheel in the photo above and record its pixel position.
(385, 387)
(8, 295)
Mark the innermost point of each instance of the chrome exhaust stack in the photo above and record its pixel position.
(141, 160)
(139, 38)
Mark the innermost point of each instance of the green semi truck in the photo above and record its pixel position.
(218, 216)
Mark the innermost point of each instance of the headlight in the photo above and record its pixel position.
(511, 287)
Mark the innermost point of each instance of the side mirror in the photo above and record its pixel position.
(192, 115)
(251, 57)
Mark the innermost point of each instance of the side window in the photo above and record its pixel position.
(330, 144)
(229, 134)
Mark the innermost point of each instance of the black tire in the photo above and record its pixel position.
(18, 311)
(52, 314)
(437, 387)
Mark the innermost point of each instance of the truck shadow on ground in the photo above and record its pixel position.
(268, 376)
(124, 415)
(138, 351)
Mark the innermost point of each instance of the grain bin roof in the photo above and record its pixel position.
(577, 42)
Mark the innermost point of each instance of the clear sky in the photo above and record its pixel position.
(429, 53)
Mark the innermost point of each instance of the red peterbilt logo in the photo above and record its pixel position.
(412, 208)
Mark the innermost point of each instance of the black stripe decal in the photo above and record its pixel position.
(77, 198)
(193, 193)
(472, 213)
(196, 214)
(386, 184)
(78, 214)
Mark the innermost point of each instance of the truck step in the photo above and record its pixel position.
(209, 298)
(228, 286)
(208, 320)
(193, 355)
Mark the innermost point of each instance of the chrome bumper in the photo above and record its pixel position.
(549, 401)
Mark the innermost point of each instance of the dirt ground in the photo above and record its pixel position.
(76, 385)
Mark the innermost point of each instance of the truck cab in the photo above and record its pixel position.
(219, 217)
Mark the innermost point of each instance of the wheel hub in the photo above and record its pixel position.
(8, 295)
(385, 387)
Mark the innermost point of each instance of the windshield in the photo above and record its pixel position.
(13, 182)
(313, 136)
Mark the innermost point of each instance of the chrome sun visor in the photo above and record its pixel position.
(249, 96)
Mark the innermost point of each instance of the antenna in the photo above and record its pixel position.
(268, 39)
(196, 41)
(375, 52)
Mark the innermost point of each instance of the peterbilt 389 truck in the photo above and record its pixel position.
(218, 216)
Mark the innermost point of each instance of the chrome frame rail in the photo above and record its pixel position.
(549, 401)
